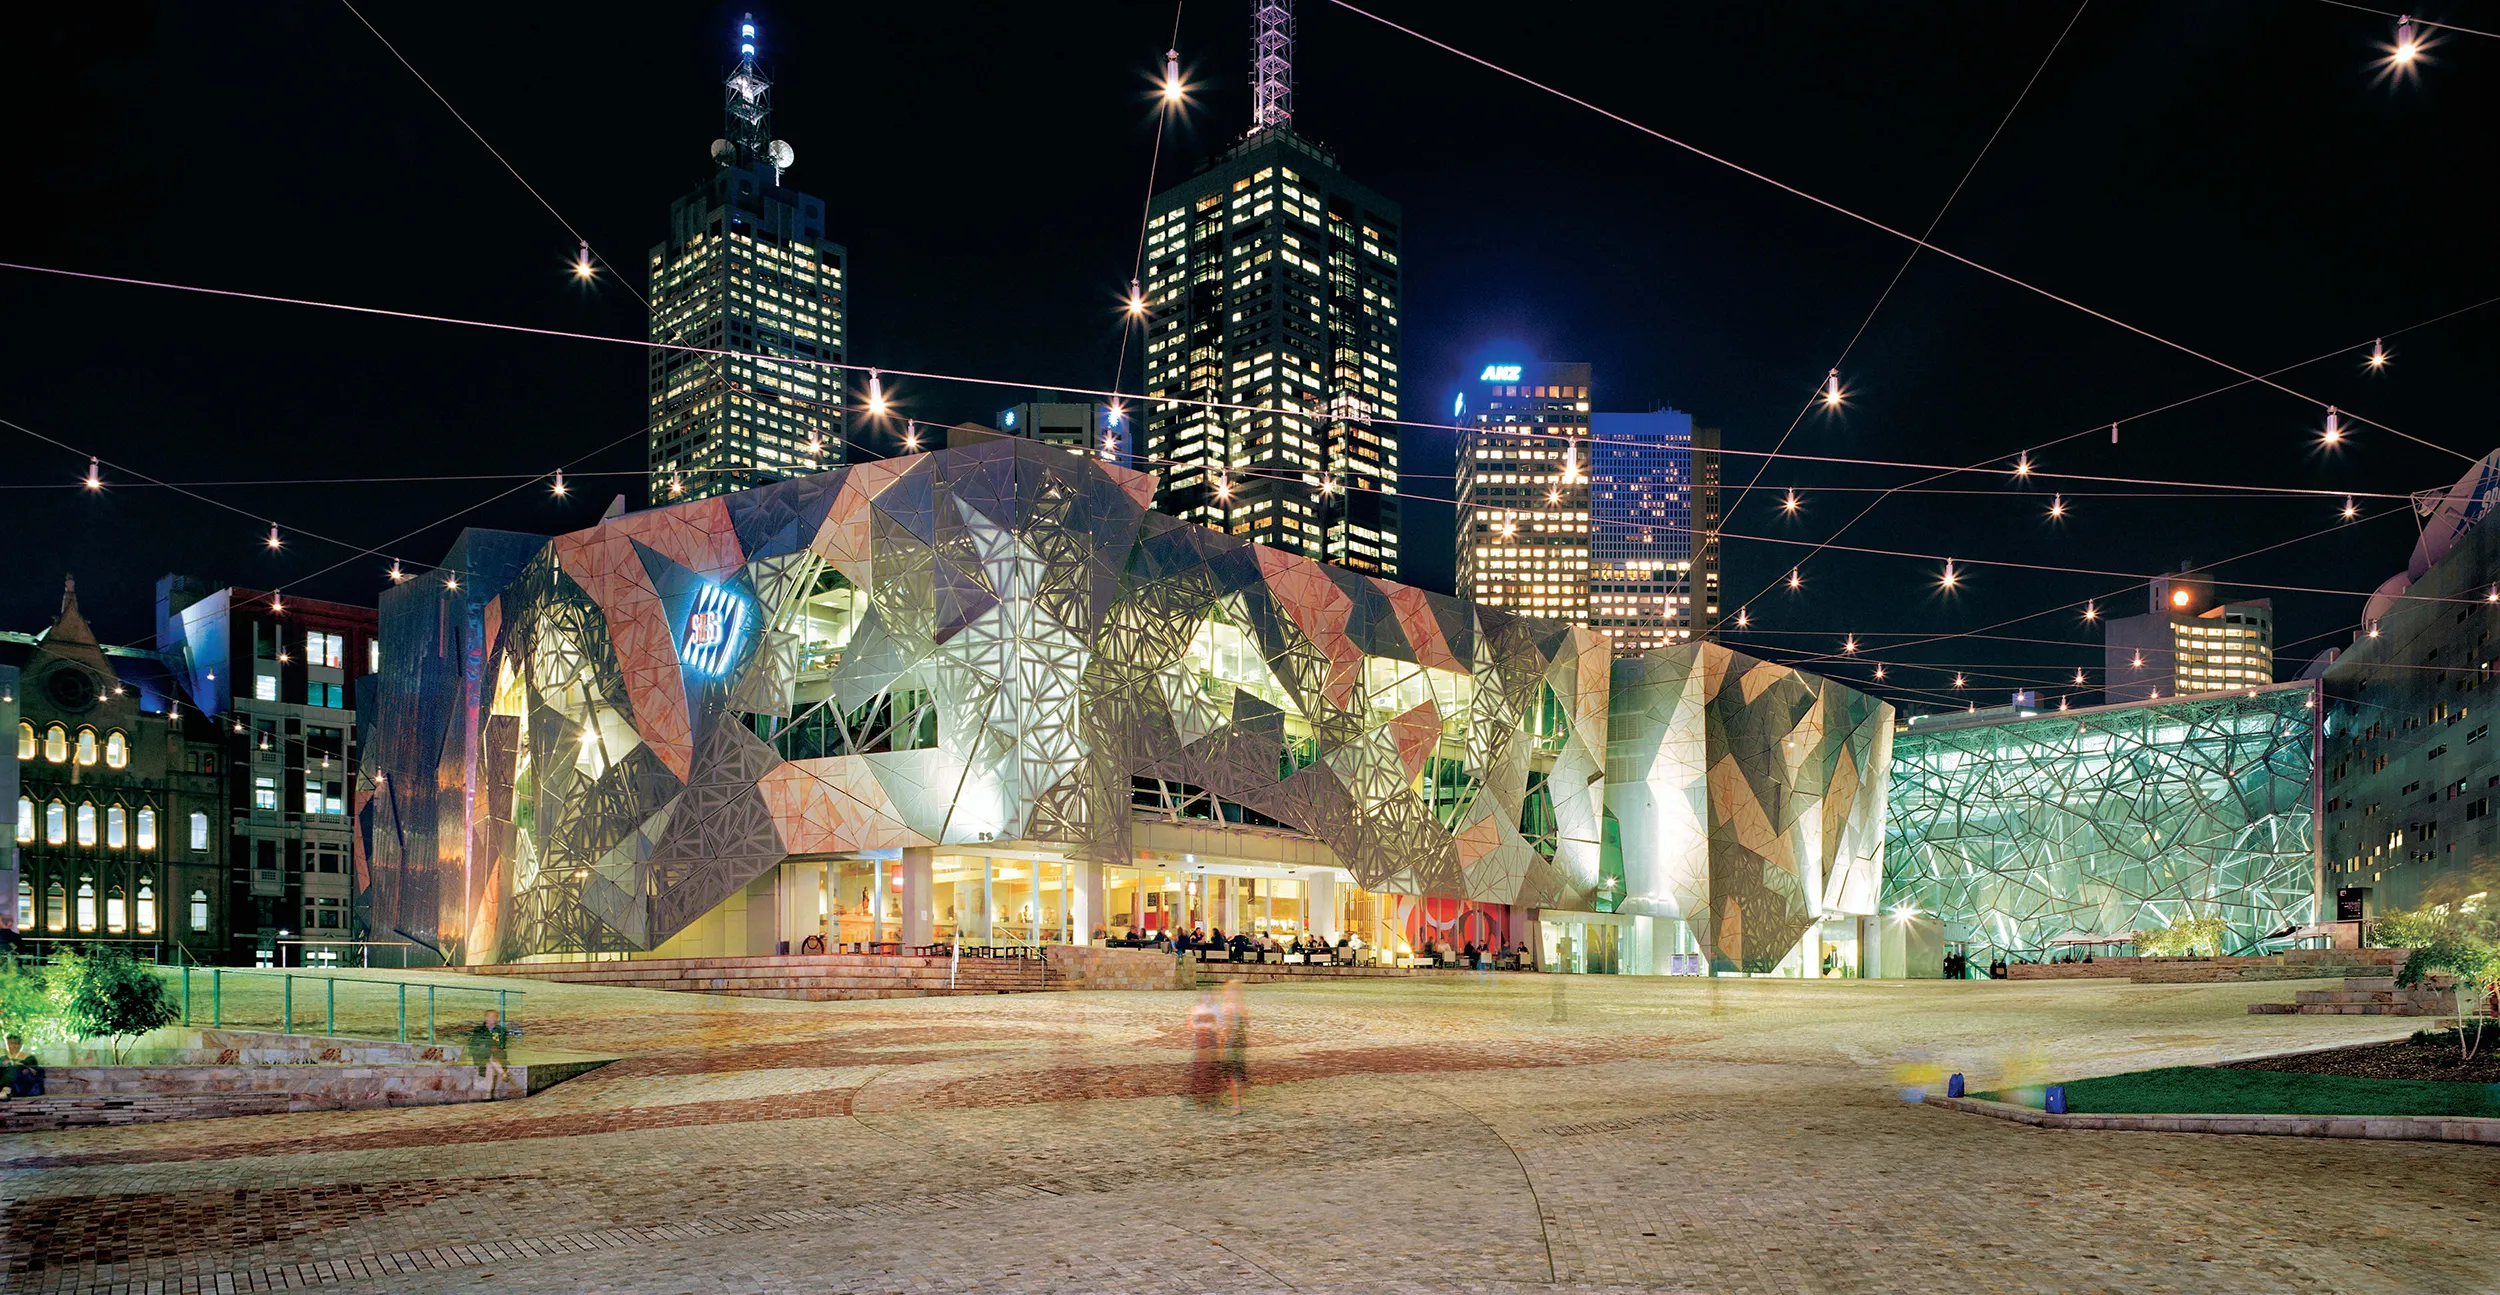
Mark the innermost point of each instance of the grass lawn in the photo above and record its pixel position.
(2205, 1090)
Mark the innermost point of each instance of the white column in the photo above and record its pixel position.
(989, 900)
(1033, 892)
(876, 899)
(1319, 895)
(919, 899)
(1089, 902)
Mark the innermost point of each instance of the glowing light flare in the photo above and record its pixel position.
(1951, 579)
(2022, 468)
(95, 473)
(2061, 703)
(582, 267)
(1136, 301)
(2057, 508)
(1879, 669)
(2408, 47)
(1849, 646)
(397, 575)
(1744, 618)
(560, 490)
(2091, 611)
(451, 581)
(2351, 509)
(1224, 490)
(1794, 580)
(1789, 503)
(2137, 663)
(1958, 680)
(277, 605)
(876, 394)
(1831, 390)
(2078, 678)
(911, 435)
(2373, 629)
(2378, 354)
(273, 541)
(1173, 89)
(2334, 433)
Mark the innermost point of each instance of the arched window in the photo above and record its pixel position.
(116, 827)
(86, 746)
(86, 823)
(116, 750)
(25, 820)
(56, 744)
(147, 828)
(116, 911)
(86, 903)
(199, 910)
(55, 908)
(199, 830)
(56, 824)
(25, 740)
(147, 906)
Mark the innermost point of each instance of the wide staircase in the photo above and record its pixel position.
(828, 977)
(2369, 977)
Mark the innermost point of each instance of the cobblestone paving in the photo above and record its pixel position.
(1521, 1134)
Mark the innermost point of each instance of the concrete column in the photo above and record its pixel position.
(919, 898)
(876, 899)
(1033, 892)
(1089, 901)
(989, 900)
(1137, 904)
(832, 902)
(1319, 894)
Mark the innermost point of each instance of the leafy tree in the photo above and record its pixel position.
(25, 1008)
(2456, 940)
(108, 995)
(2184, 937)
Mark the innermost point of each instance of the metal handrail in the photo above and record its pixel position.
(393, 992)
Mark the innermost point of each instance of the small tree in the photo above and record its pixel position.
(2453, 939)
(108, 995)
(2184, 937)
(25, 1009)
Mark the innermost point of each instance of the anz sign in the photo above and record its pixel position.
(712, 629)
(1501, 373)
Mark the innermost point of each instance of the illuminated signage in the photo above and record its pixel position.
(712, 630)
(1501, 373)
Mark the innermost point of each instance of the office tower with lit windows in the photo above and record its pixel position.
(1653, 576)
(1523, 490)
(1078, 428)
(1272, 290)
(747, 270)
(2188, 643)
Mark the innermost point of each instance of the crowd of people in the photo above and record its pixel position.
(1471, 955)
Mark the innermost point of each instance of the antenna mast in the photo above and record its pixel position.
(1271, 65)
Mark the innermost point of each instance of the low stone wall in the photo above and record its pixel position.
(2413, 1128)
(180, 1045)
(2306, 964)
(1077, 967)
(94, 1096)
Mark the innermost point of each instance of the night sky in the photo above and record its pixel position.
(2232, 176)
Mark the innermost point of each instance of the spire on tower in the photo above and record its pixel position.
(747, 111)
(1271, 65)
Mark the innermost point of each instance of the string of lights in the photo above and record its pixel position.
(2397, 51)
(583, 267)
(1169, 97)
(1906, 261)
(1833, 388)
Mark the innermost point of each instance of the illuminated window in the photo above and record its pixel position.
(116, 827)
(86, 747)
(147, 907)
(56, 744)
(56, 824)
(199, 910)
(25, 820)
(116, 750)
(25, 740)
(264, 687)
(147, 828)
(199, 830)
(116, 911)
(86, 904)
(264, 793)
(25, 903)
(86, 823)
(55, 908)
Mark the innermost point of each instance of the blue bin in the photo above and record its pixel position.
(2057, 1099)
(1953, 1085)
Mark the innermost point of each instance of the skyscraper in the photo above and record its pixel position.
(746, 269)
(1653, 508)
(2188, 643)
(1523, 491)
(1272, 284)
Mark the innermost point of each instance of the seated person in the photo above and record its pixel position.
(21, 1074)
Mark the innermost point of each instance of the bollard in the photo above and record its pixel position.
(186, 995)
(287, 1026)
(217, 997)
(403, 1011)
(1953, 1085)
(2057, 1099)
(429, 1013)
(330, 1006)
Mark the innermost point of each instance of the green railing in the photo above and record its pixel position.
(360, 1007)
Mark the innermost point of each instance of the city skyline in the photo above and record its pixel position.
(1495, 280)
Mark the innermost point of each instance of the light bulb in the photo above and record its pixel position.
(2091, 611)
(582, 268)
(95, 473)
(911, 436)
(1879, 670)
(2022, 467)
(2137, 663)
(1789, 504)
(1113, 413)
(1831, 390)
(1136, 300)
(1795, 581)
(560, 490)
(1958, 681)
(2408, 47)
(1744, 618)
(277, 605)
(450, 581)
(815, 445)
(1223, 486)
(2378, 354)
(2061, 703)
(2351, 509)
(2373, 629)
(2334, 426)
(1172, 76)
(2057, 507)
(273, 541)
(2078, 678)
(397, 575)
(676, 485)
(876, 394)
(1951, 578)
(1849, 646)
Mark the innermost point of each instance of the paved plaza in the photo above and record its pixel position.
(1434, 1134)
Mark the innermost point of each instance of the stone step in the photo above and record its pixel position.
(46, 1114)
(2425, 997)
(2273, 1009)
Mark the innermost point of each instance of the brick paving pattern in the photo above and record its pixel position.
(1417, 1135)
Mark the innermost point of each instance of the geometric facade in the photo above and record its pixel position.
(2109, 820)
(599, 737)
(1750, 798)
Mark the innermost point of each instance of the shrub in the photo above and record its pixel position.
(2184, 937)
(108, 995)
(25, 1008)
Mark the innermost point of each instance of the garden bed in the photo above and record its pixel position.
(2244, 1090)
(2429, 1054)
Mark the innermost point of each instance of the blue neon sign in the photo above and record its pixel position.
(712, 630)
(1501, 373)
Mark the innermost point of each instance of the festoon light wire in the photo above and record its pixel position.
(2417, 19)
(1872, 223)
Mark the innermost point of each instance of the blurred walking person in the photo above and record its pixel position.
(1235, 1067)
(1206, 1031)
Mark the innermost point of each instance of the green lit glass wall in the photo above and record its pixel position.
(2109, 820)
